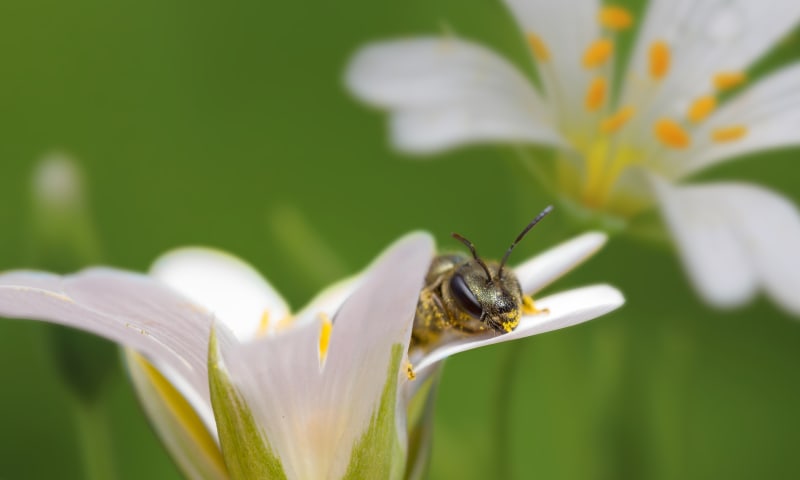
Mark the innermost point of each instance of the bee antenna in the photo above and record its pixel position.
(474, 253)
(522, 234)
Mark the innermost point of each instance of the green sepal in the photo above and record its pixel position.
(245, 448)
(420, 424)
(379, 453)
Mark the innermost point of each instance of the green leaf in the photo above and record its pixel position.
(379, 453)
(245, 448)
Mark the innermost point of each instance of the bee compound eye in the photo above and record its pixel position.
(464, 296)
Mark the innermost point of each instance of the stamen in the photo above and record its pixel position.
(324, 334)
(598, 53)
(615, 18)
(670, 134)
(729, 134)
(659, 59)
(727, 80)
(596, 94)
(263, 325)
(702, 108)
(538, 47)
(617, 120)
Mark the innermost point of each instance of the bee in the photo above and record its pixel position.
(467, 296)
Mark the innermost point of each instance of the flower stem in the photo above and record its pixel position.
(94, 436)
(502, 424)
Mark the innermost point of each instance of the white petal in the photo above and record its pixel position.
(707, 37)
(329, 300)
(565, 309)
(228, 287)
(547, 267)
(131, 309)
(769, 110)
(192, 445)
(445, 92)
(733, 238)
(567, 27)
(312, 416)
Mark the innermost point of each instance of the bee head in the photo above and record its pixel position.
(485, 296)
(483, 292)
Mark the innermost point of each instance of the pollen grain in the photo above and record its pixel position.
(538, 47)
(596, 94)
(701, 108)
(326, 326)
(729, 134)
(616, 121)
(671, 134)
(598, 53)
(727, 80)
(660, 59)
(615, 18)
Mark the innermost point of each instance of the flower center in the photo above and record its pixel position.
(614, 140)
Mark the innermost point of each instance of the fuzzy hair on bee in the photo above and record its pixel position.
(465, 295)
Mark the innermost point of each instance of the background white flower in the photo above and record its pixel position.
(623, 151)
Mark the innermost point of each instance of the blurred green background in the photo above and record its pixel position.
(226, 124)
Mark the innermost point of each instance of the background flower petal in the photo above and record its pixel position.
(228, 287)
(770, 113)
(705, 37)
(566, 28)
(444, 92)
(733, 238)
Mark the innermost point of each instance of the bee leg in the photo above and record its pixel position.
(529, 308)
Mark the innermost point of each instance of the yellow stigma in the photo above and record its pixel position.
(263, 325)
(615, 18)
(659, 59)
(670, 134)
(598, 53)
(729, 134)
(596, 94)
(326, 326)
(618, 120)
(701, 108)
(727, 80)
(538, 47)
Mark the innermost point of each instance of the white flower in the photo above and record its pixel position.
(238, 387)
(622, 151)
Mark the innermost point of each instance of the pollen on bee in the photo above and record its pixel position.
(616, 121)
(615, 18)
(529, 308)
(670, 134)
(660, 59)
(410, 371)
(598, 53)
(727, 80)
(701, 108)
(596, 94)
(326, 326)
(538, 47)
(729, 134)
